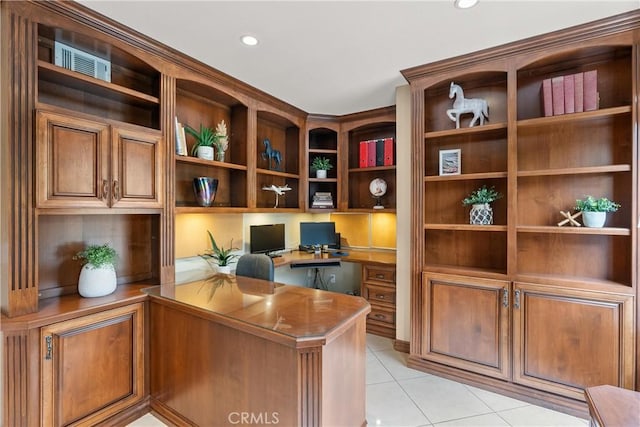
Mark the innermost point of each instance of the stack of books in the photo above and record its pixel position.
(573, 93)
(322, 200)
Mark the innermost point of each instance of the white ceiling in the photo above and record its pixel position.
(340, 57)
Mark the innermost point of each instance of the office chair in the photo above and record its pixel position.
(258, 266)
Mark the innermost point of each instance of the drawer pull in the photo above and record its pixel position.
(380, 296)
(379, 276)
(379, 316)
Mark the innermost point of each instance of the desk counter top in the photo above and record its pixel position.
(354, 255)
(280, 312)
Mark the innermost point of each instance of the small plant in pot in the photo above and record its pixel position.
(206, 139)
(321, 165)
(221, 256)
(98, 274)
(481, 212)
(594, 211)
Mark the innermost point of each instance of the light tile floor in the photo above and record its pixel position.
(398, 396)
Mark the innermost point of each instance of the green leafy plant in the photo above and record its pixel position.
(591, 204)
(321, 163)
(222, 256)
(481, 196)
(206, 137)
(97, 255)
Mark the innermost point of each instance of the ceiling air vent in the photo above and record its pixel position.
(82, 62)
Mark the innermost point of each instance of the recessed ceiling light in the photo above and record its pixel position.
(465, 4)
(249, 40)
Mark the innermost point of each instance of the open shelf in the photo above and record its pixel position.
(608, 231)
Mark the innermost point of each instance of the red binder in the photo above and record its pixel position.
(590, 90)
(364, 156)
(557, 89)
(371, 159)
(578, 92)
(547, 100)
(388, 152)
(569, 96)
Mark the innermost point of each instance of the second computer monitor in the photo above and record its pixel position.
(317, 233)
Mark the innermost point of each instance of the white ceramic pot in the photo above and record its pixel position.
(321, 174)
(205, 152)
(224, 269)
(481, 214)
(96, 282)
(594, 219)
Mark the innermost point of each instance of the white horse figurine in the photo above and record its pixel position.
(477, 106)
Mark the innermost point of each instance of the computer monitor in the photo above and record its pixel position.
(317, 233)
(265, 239)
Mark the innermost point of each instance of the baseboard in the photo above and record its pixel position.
(128, 415)
(401, 346)
(168, 415)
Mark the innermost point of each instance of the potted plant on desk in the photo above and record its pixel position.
(222, 257)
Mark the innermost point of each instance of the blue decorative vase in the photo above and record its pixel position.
(205, 189)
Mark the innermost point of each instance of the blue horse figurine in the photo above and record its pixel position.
(271, 154)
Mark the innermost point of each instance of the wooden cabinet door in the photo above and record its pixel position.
(72, 162)
(568, 339)
(136, 166)
(92, 367)
(466, 323)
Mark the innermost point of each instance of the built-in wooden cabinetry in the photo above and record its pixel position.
(322, 141)
(524, 305)
(378, 286)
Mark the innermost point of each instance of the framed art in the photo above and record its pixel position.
(450, 162)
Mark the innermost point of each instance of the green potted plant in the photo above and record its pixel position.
(98, 274)
(594, 211)
(321, 165)
(206, 139)
(481, 212)
(222, 257)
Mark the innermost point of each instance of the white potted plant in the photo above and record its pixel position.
(98, 274)
(321, 165)
(594, 211)
(221, 256)
(206, 139)
(481, 212)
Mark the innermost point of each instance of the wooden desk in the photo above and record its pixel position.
(611, 406)
(232, 347)
(359, 256)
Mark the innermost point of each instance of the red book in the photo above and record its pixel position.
(364, 154)
(578, 92)
(547, 100)
(569, 101)
(590, 97)
(557, 90)
(388, 152)
(371, 160)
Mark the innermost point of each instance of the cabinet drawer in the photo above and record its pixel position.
(380, 294)
(380, 274)
(379, 314)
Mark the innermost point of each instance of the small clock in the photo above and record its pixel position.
(378, 188)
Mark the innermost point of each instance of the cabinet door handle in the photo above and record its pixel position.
(105, 190)
(49, 345)
(517, 299)
(116, 190)
(505, 297)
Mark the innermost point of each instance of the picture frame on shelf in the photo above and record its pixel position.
(449, 163)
